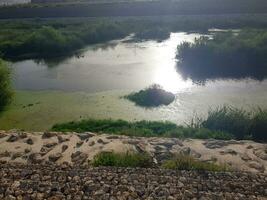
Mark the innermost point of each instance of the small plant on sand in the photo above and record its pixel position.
(152, 96)
(186, 162)
(122, 159)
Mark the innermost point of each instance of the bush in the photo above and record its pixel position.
(158, 34)
(122, 159)
(259, 126)
(228, 119)
(5, 85)
(151, 97)
(185, 162)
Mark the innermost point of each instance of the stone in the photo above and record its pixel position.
(54, 157)
(2, 135)
(50, 145)
(214, 144)
(100, 141)
(47, 135)
(256, 165)
(245, 157)
(64, 148)
(5, 154)
(61, 139)
(27, 150)
(228, 151)
(13, 138)
(35, 158)
(91, 143)
(112, 137)
(29, 141)
(78, 157)
(261, 153)
(80, 143)
(16, 155)
(85, 136)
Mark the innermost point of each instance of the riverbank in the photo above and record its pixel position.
(80, 149)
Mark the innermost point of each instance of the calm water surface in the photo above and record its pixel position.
(124, 67)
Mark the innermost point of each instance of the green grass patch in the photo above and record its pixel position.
(238, 122)
(185, 162)
(140, 128)
(222, 123)
(122, 159)
(152, 96)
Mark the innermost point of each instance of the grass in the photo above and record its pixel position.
(185, 162)
(122, 159)
(6, 91)
(144, 160)
(238, 122)
(222, 123)
(226, 55)
(152, 96)
(140, 128)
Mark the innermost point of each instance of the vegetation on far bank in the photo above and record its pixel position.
(152, 96)
(5, 85)
(222, 123)
(132, 8)
(44, 38)
(227, 55)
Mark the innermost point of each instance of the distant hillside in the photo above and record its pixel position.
(136, 8)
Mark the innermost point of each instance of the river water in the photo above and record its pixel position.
(119, 67)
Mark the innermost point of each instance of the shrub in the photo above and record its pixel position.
(228, 119)
(259, 126)
(151, 97)
(122, 159)
(5, 85)
(226, 55)
(158, 34)
(185, 162)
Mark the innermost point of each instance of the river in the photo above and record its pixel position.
(103, 73)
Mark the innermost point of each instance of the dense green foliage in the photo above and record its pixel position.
(185, 162)
(33, 38)
(141, 128)
(5, 85)
(222, 123)
(122, 159)
(152, 96)
(258, 126)
(231, 55)
(238, 122)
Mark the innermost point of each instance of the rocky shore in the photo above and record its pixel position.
(79, 149)
(55, 166)
(56, 182)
